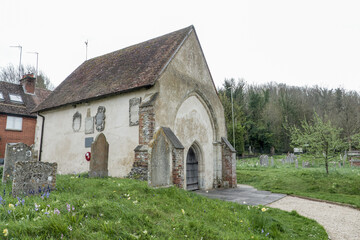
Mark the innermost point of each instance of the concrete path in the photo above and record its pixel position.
(243, 194)
(340, 222)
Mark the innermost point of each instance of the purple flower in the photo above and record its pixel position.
(23, 201)
(73, 208)
(47, 213)
(56, 211)
(68, 207)
(47, 194)
(9, 211)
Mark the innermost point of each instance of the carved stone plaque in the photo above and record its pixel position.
(89, 125)
(100, 119)
(76, 122)
(134, 104)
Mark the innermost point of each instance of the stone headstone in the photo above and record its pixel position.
(160, 162)
(100, 119)
(264, 160)
(99, 157)
(305, 164)
(272, 161)
(34, 177)
(296, 163)
(15, 152)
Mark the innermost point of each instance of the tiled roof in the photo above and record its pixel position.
(124, 70)
(29, 101)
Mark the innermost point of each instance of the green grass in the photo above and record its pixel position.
(112, 208)
(340, 185)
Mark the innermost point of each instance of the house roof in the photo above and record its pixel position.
(29, 101)
(124, 70)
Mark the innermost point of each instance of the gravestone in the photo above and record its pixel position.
(160, 174)
(296, 163)
(305, 164)
(15, 152)
(264, 160)
(272, 161)
(99, 157)
(290, 158)
(89, 123)
(32, 177)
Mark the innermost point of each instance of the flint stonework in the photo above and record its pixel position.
(34, 177)
(99, 157)
(15, 152)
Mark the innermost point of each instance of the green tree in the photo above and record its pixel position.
(319, 138)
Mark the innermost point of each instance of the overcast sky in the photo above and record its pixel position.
(293, 42)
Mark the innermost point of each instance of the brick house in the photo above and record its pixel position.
(17, 123)
(154, 103)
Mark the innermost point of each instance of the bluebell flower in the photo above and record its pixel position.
(9, 211)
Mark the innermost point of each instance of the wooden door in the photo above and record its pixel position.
(192, 173)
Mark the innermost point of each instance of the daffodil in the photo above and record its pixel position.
(183, 211)
(11, 206)
(5, 232)
(264, 209)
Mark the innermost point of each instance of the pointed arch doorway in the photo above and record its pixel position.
(192, 170)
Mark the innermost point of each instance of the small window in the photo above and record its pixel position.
(1, 96)
(14, 123)
(15, 98)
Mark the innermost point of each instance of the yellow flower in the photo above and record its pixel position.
(5, 232)
(183, 211)
(11, 206)
(264, 209)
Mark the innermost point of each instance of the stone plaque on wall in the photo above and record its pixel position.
(88, 142)
(76, 122)
(32, 177)
(15, 152)
(89, 123)
(134, 104)
(100, 119)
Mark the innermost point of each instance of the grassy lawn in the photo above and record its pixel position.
(112, 208)
(341, 185)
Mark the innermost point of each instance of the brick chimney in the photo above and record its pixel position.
(28, 82)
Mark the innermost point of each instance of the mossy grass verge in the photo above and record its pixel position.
(113, 208)
(341, 185)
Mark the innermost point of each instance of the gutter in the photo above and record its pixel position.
(42, 135)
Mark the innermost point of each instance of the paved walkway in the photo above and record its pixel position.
(341, 223)
(243, 194)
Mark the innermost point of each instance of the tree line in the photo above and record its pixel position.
(12, 74)
(266, 115)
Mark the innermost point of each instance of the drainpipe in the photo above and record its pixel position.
(42, 135)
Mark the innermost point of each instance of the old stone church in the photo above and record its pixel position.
(155, 105)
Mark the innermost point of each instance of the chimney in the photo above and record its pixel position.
(28, 82)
